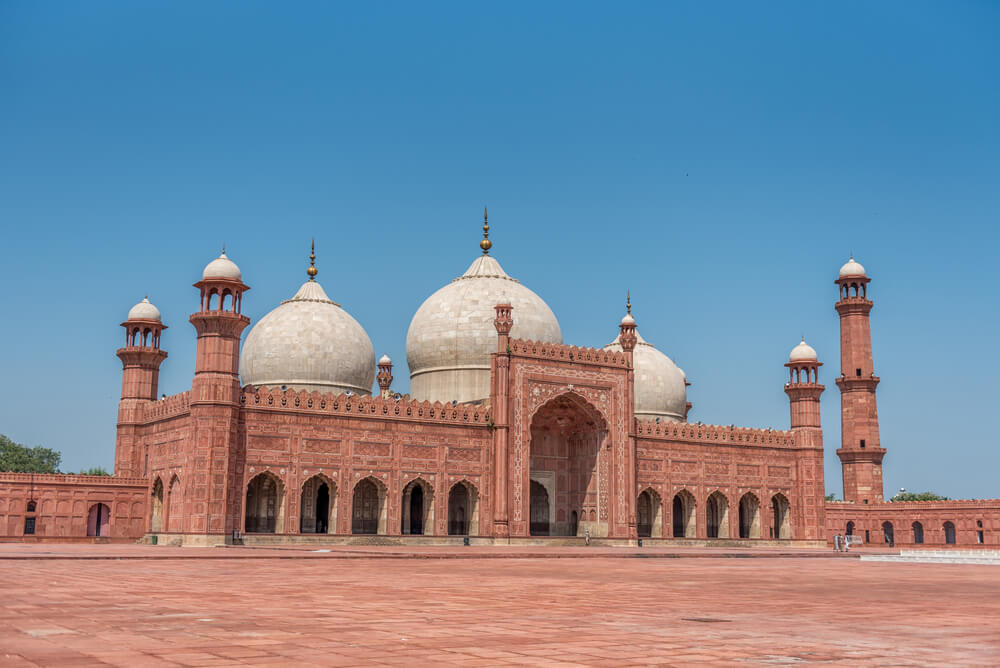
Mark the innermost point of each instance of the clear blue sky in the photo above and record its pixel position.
(719, 159)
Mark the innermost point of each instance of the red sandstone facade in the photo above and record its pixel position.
(557, 451)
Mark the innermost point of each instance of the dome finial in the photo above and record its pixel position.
(223, 249)
(312, 270)
(486, 244)
(628, 302)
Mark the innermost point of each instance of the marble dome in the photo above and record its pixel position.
(852, 268)
(803, 352)
(660, 387)
(452, 334)
(309, 343)
(222, 267)
(144, 310)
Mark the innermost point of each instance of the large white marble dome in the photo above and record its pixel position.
(309, 343)
(660, 385)
(452, 334)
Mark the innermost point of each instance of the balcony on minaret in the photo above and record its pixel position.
(803, 387)
(141, 357)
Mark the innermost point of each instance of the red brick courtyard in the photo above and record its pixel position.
(129, 605)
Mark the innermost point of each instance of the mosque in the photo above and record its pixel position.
(508, 435)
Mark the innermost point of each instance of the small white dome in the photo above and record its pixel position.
(452, 334)
(660, 385)
(309, 343)
(222, 267)
(628, 319)
(144, 310)
(852, 268)
(802, 353)
(384, 360)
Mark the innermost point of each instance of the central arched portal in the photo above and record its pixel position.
(566, 438)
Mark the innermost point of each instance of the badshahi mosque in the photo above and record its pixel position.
(508, 434)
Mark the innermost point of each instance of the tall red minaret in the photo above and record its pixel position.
(215, 397)
(860, 452)
(141, 358)
(804, 390)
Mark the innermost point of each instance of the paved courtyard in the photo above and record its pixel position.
(131, 605)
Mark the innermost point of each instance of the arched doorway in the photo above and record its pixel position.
(99, 519)
(644, 515)
(156, 501)
(749, 516)
(368, 509)
(175, 506)
(888, 535)
(418, 508)
(782, 526)
(319, 498)
(566, 438)
(850, 529)
(463, 510)
(918, 533)
(265, 509)
(539, 511)
(717, 515)
(683, 511)
(949, 533)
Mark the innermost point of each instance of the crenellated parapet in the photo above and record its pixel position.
(710, 434)
(168, 407)
(567, 353)
(73, 479)
(364, 406)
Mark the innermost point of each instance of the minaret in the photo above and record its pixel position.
(384, 377)
(215, 401)
(804, 390)
(627, 338)
(141, 358)
(860, 452)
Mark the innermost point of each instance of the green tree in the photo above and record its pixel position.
(831, 497)
(95, 470)
(918, 496)
(22, 459)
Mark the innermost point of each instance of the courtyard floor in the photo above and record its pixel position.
(131, 605)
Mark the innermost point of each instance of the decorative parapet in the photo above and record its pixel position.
(364, 406)
(922, 505)
(159, 409)
(72, 479)
(566, 353)
(714, 434)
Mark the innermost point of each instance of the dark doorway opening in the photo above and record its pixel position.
(539, 502)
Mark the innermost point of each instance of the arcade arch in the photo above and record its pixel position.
(156, 504)
(368, 510)
(318, 505)
(717, 515)
(781, 521)
(463, 509)
(749, 516)
(683, 513)
(418, 508)
(265, 504)
(649, 514)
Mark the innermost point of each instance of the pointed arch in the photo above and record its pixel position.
(749, 516)
(318, 505)
(174, 515)
(918, 533)
(418, 508)
(781, 523)
(683, 515)
(949, 533)
(368, 507)
(717, 515)
(265, 504)
(649, 514)
(99, 520)
(156, 506)
(463, 509)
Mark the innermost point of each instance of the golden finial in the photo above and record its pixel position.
(223, 249)
(628, 302)
(486, 244)
(312, 270)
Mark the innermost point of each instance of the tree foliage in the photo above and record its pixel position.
(831, 497)
(18, 458)
(95, 470)
(918, 496)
